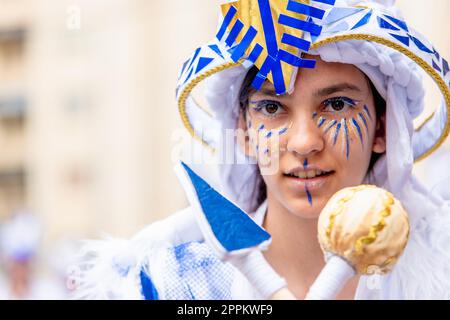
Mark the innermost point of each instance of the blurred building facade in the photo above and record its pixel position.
(87, 107)
(87, 110)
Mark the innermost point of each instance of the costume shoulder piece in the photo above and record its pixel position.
(114, 268)
(165, 261)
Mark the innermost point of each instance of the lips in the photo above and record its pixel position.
(312, 178)
(308, 174)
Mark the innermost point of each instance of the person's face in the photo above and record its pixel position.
(316, 141)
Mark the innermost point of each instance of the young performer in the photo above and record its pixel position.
(323, 95)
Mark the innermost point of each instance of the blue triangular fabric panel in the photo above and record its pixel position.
(386, 25)
(215, 48)
(231, 226)
(400, 23)
(339, 13)
(404, 40)
(202, 63)
(363, 21)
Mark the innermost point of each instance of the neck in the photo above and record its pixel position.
(295, 252)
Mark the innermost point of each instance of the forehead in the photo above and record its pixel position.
(325, 74)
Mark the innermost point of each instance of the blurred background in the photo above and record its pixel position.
(88, 115)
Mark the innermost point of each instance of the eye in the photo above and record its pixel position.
(268, 108)
(338, 104)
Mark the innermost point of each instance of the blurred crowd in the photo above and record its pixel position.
(26, 272)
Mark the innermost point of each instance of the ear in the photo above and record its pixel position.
(379, 141)
(243, 137)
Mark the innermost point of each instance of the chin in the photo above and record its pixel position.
(302, 208)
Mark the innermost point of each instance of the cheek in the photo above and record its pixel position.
(349, 137)
(350, 143)
(266, 146)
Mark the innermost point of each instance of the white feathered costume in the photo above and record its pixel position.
(168, 259)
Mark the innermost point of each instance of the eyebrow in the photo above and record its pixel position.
(345, 86)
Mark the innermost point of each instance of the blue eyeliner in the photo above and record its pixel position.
(346, 100)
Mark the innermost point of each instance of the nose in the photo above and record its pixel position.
(305, 137)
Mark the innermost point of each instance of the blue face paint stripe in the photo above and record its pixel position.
(314, 115)
(261, 127)
(347, 140)
(321, 122)
(282, 131)
(305, 164)
(365, 121)
(331, 125)
(366, 109)
(336, 133)
(269, 134)
(358, 128)
(310, 200)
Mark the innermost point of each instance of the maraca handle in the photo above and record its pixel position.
(331, 279)
(262, 276)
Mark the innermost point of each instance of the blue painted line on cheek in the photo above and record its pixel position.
(365, 122)
(336, 134)
(269, 134)
(261, 127)
(321, 122)
(358, 128)
(366, 109)
(282, 131)
(347, 140)
(331, 126)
